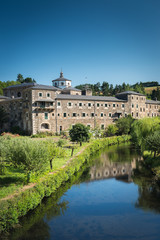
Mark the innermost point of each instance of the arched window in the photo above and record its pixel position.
(18, 94)
(45, 126)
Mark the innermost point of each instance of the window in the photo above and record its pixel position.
(83, 114)
(59, 104)
(40, 94)
(80, 104)
(101, 105)
(35, 104)
(143, 109)
(64, 114)
(46, 115)
(105, 104)
(53, 114)
(51, 104)
(69, 104)
(132, 114)
(101, 114)
(132, 105)
(36, 114)
(97, 104)
(74, 115)
(18, 94)
(48, 94)
(140, 109)
(146, 105)
(132, 97)
(58, 114)
(137, 114)
(122, 105)
(92, 114)
(27, 115)
(137, 98)
(137, 106)
(89, 104)
(102, 126)
(110, 114)
(45, 126)
(114, 105)
(62, 83)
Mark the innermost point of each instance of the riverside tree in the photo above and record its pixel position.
(79, 133)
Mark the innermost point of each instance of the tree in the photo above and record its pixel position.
(3, 117)
(79, 133)
(24, 80)
(124, 125)
(20, 78)
(153, 142)
(111, 130)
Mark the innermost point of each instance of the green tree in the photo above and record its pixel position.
(111, 130)
(20, 78)
(124, 125)
(79, 133)
(153, 142)
(3, 117)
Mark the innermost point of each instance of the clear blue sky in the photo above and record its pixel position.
(92, 40)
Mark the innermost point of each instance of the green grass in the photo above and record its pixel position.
(14, 179)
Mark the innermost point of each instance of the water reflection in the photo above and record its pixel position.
(118, 162)
(99, 204)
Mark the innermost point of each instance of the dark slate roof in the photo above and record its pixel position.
(4, 97)
(45, 87)
(89, 98)
(129, 93)
(71, 89)
(61, 79)
(152, 102)
(21, 85)
(45, 100)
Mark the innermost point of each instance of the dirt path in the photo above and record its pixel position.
(31, 185)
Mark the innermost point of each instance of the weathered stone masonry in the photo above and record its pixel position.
(36, 108)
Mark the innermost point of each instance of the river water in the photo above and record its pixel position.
(110, 199)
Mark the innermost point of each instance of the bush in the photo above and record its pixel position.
(111, 130)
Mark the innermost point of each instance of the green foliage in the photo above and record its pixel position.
(142, 128)
(42, 135)
(153, 142)
(27, 154)
(20, 79)
(61, 142)
(79, 133)
(12, 209)
(111, 130)
(124, 125)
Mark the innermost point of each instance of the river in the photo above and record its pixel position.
(110, 199)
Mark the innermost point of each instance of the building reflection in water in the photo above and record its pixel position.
(113, 165)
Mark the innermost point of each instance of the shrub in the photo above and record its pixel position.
(111, 130)
(124, 125)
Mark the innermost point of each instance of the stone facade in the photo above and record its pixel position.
(37, 108)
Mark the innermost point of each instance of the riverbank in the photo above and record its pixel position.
(19, 204)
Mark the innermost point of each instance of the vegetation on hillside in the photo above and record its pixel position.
(20, 79)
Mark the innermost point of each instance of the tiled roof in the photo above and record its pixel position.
(45, 87)
(3, 97)
(21, 85)
(71, 89)
(61, 79)
(129, 93)
(90, 98)
(152, 102)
